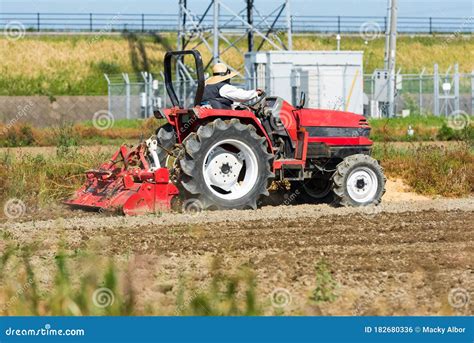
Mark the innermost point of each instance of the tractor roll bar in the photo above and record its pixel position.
(169, 82)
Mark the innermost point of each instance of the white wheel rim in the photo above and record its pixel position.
(222, 169)
(362, 185)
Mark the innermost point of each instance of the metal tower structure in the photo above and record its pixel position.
(220, 29)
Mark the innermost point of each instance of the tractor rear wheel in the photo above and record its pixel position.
(226, 165)
(358, 181)
(166, 138)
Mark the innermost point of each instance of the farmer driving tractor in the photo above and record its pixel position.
(220, 94)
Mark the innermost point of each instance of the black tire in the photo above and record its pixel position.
(316, 190)
(350, 167)
(197, 145)
(166, 138)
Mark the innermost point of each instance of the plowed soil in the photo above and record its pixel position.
(401, 258)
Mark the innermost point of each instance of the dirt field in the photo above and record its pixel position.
(401, 258)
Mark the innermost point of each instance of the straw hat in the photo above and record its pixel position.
(220, 73)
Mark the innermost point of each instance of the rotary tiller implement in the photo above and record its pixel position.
(127, 183)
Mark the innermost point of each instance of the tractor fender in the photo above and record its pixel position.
(163, 113)
(246, 117)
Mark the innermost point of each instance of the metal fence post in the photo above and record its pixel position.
(436, 90)
(421, 90)
(143, 22)
(109, 93)
(456, 87)
(472, 92)
(148, 83)
(339, 24)
(38, 22)
(291, 23)
(90, 22)
(150, 86)
(431, 25)
(127, 94)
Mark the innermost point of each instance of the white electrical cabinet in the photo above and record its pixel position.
(330, 79)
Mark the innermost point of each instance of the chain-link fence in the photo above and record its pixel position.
(416, 93)
(136, 96)
(424, 93)
(130, 95)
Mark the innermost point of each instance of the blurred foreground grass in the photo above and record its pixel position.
(79, 283)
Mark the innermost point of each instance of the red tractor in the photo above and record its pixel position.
(227, 159)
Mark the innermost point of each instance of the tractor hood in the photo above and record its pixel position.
(330, 118)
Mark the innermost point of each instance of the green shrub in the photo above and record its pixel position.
(225, 295)
(44, 179)
(19, 136)
(66, 139)
(431, 169)
(447, 133)
(106, 67)
(92, 293)
(325, 283)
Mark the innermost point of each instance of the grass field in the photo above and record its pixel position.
(42, 179)
(74, 65)
(426, 128)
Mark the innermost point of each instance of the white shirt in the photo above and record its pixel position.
(237, 94)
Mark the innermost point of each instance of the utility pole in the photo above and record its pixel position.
(391, 54)
(215, 49)
(250, 22)
(180, 45)
(180, 25)
(387, 35)
(183, 25)
(288, 25)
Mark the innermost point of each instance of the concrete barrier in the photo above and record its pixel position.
(41, 111)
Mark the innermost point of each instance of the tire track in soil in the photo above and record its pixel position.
(412, 237)
(420, 255)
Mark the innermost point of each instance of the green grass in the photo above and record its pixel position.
(325, 289)
(101, 287)
(430, 169)
(40, 180)
(74, 65)
(85, 133)
(426, 128)
(120, 123)
(70, 294)
(226, 294)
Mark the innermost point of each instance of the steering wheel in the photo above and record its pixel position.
(260, 98)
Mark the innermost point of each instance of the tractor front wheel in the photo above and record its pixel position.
(166, 137)
(358, 181)
(226, 165)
